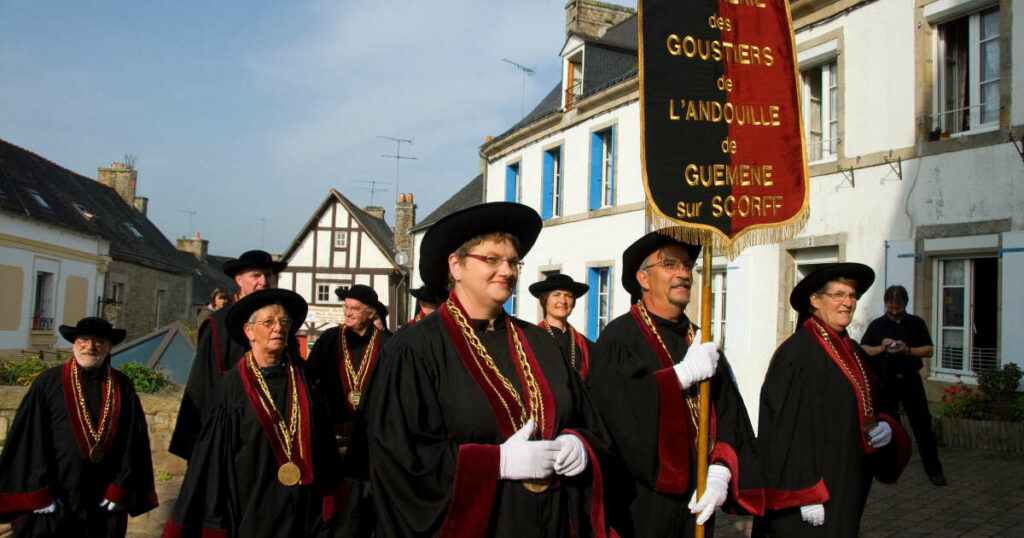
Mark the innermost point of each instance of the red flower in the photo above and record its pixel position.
(945, 399)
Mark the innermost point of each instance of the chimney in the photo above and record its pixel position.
(141, 204)
(195, 246)
(593, 18)
(122, 179)
(405, 218)
(375, 211)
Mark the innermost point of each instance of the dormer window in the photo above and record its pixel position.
(574, 79)
(86, 214)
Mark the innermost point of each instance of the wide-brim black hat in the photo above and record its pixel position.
(93, 327)
(449, 233)
(634, 255)
(429, 294)
(360, 292)
(558, 281)
(256, 259)
(800, 298)
(240, 312)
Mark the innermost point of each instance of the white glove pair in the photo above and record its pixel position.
(523, 459)
(699, 363)
(716, 491)
(813, 514)
(109, 505)
(880, 435)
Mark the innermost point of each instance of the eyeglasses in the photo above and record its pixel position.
(494, 261)
(841, 296)
(271, 323)
(671, 264)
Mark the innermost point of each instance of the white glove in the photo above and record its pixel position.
(716, 490)
(813, 514)
(880, 435)
(696, 337)
(109, 505)
(572, 456)
(699, 363)
(523, 459)
(48, 509)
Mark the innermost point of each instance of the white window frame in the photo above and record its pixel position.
(341, 239)
(947, 11)
(607, 171)
(826, 72)
(556, 182)
(948, 373)
(719, 296)
(323, 293)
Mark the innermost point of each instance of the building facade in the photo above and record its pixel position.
(908, 112)
(339, 246)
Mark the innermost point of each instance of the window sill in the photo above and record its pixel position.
(953, 377)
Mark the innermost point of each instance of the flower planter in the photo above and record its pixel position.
(981, 434)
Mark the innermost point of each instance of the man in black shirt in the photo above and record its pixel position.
(898, 341)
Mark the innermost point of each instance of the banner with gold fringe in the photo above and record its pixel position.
(722, 145)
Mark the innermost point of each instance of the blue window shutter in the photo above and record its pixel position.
(595, 170)
(510, 183)
(510, 304)
(611, 173)
(547, 186)
(593, 306)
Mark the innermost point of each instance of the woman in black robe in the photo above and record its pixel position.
(820, 435)
(265, 464)
(476, 425)
(558, 294)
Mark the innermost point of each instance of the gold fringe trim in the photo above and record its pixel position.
(721, 244)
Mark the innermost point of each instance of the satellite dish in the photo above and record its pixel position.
(401, 258)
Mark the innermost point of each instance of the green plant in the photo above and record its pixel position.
(163, 476)
(144, 378)
(21, 371)
(996, 397)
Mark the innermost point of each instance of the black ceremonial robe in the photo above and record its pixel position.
(576, 352)
(812, 442)
(216, 353)
(651, 426)
(327, 371)
(434, 440)
(43, 461)
(231, 486)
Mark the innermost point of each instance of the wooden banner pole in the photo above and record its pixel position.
(704, 405)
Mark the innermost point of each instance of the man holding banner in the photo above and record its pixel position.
(643, 379)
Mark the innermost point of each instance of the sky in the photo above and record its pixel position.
(243, 115)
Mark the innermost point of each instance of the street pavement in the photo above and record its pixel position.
(985, 497)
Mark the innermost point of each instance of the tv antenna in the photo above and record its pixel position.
(526, 71)
(397, 157)
(371, 186)
(263, 229)
(188, 212)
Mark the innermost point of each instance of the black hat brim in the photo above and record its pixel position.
(800, 297)
(578, 289)
(93, 327)
(428, 294)
(360, 292)
(240, 312)
(449, 233)
(635, 254)
(255, 259)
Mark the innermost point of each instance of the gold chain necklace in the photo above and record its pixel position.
(95, 433)
(356, 380)
(536, 405)
(865, 389)
(286, 433)
(691, 399)
(572, 342)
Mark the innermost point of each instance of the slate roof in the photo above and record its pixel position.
(378, 230)
(208, 275)
(68, 196)
(611, 59)
(470, 194)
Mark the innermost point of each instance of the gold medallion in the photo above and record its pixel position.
(537, 486)
(353, 398)
(96, 453)
(289, 474)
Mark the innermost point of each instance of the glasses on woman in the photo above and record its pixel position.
(841, 296)
(495, 261)
(285, 323)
